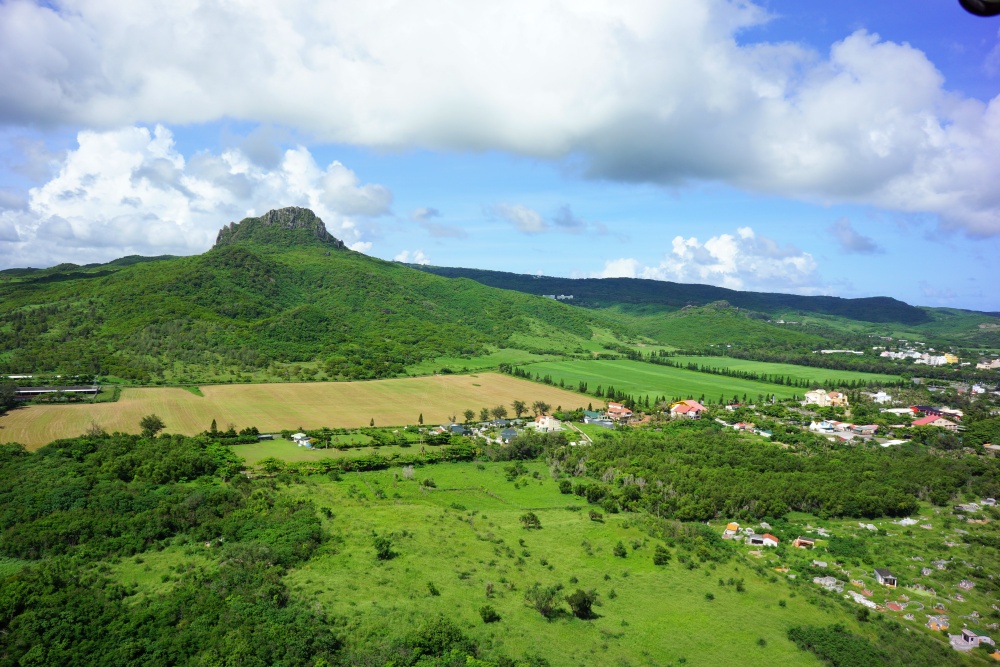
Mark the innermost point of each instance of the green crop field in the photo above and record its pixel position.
(819, 375)
(273, 407)
(642, 379)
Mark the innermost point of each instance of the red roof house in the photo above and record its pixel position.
(618, 411)
(688, 409)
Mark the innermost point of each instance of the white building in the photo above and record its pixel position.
(824, 398)
(879, 397)
(547, 424)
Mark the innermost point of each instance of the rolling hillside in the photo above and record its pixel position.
(277, 295)
(669, 296)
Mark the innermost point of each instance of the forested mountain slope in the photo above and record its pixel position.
(669, 296)
(273, 290)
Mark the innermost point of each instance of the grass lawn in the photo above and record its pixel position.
(821, 375)
(273, 407)
(642, 379)
(466, 533)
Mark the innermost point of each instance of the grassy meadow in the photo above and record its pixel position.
(272, 407)
(465, 534)
(643, 379)
(807, 373)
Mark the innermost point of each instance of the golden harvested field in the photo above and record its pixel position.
(272, 407)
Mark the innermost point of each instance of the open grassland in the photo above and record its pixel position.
(643, 379)
(466, 533)
(807, 373)
(272, 407)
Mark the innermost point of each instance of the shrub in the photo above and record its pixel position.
(432, 589)
(383, 548)
(581, 602)
(565, 486)
(596, 516)
(489, 614)
(430, 483)
(530, 521)
(661, 556)
(620, 551)
(543, 599)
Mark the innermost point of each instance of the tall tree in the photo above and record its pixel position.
(520, 407)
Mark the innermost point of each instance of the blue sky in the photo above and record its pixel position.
(848, 148)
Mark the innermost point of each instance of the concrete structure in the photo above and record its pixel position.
(547, 424)
(824, 398)
(879, 397)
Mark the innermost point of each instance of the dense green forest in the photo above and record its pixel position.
(696, 471)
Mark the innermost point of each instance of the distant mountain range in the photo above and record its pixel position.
(606, 292)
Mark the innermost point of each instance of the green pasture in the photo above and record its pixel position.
(465, 533)
(643, 379)
(483, 362)
(818, 375)
(286, 450)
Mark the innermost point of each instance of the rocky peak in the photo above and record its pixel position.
(283, 226)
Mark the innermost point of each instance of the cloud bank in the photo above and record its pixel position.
(529, 221)
(740, 261)
(638, 90)
(131, 191)
(852, 241)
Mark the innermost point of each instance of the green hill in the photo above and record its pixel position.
(689, 315)
(604, 292)
(275, 291)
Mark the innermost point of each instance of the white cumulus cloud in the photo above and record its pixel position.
(634, 90)
(523, 218)
(623, 267)
(743, 260)
(131, 191)
(416, 257)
